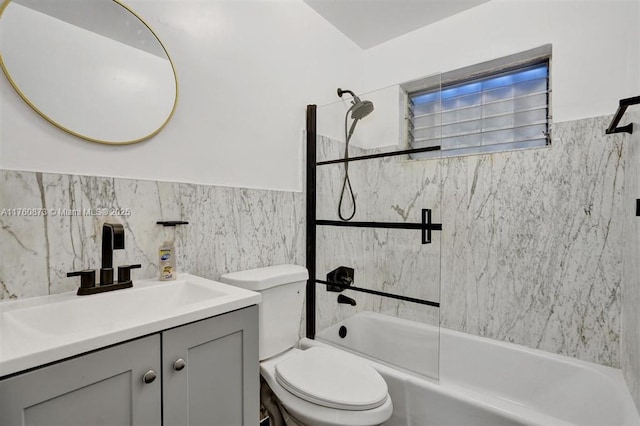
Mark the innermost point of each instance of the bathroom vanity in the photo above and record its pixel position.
(193, 360)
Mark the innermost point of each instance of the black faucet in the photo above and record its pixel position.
(112, 239)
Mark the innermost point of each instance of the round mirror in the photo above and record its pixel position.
(91, 67)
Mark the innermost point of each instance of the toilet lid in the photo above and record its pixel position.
(333, 379)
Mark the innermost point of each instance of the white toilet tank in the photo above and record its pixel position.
(283, 289)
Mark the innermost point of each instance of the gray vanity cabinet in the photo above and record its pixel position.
(101, 388)
(211, 373)
(207, 373)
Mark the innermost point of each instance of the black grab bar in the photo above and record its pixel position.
(624, 104)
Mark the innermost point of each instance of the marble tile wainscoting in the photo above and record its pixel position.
(229, 228)
(531, 248)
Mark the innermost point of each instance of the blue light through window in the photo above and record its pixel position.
(538, 72)
(506, 110)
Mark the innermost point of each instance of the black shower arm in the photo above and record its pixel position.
(343, 91)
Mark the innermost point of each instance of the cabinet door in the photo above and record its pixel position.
(219, 384)
(101, 388)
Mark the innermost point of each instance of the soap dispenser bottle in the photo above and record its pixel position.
(167, 251)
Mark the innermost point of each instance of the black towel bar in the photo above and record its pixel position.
(624, 104)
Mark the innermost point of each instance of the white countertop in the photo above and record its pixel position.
(40, 330)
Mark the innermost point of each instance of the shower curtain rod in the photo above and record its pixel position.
(624, 104)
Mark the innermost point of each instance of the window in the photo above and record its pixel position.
(496, 111)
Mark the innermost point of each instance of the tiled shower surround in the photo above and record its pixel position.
(229, 228)
(531, 247)
(630, 339)
(531, 250)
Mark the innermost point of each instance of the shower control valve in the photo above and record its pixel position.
(342, 276)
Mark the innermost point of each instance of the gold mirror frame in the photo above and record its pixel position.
(6, 3)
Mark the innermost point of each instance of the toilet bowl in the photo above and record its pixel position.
(314, 387)
(316, 393)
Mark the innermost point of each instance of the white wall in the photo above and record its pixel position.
(248, 68)
(246, 71)
(382, 127)
(595, 49)
(91, 81)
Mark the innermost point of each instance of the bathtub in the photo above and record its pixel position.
(480, 381)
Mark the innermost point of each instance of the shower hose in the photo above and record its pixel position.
(346, 183)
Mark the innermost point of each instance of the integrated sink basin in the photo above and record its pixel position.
(72, 315)
(44, 329)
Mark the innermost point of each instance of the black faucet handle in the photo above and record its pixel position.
(124, 272)
(87, 277)
(342, 277)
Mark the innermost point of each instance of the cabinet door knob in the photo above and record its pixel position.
(179, 364)
(149, 376)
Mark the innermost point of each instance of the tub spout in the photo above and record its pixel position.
(346, 300)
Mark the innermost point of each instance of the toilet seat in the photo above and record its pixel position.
(327, 377)
(315, 414)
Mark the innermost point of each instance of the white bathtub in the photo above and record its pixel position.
(481, 381)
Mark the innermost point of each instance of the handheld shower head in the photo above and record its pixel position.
(359, 109)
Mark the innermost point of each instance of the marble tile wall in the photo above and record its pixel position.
(537, 259)
(229, 228)
(531, 250)
(630, 336)
(393, 261)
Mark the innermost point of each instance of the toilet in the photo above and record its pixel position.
(320, 386)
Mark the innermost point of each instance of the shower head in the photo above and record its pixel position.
(359, 109)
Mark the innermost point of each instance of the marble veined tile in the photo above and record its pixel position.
(77, 238)
(530, 250)
(229, 228)
(24, 249)
(630, 336)
(393, 261)
(543, 245)
(245, 228)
